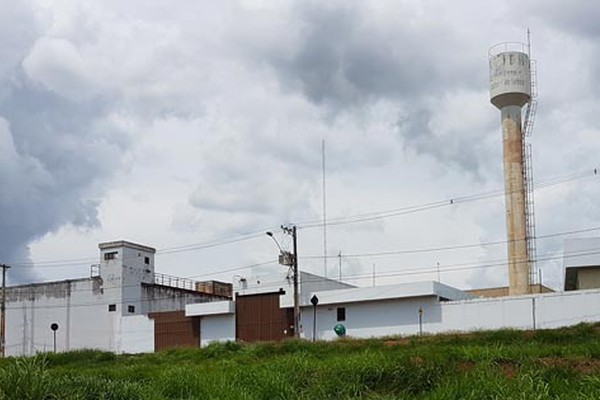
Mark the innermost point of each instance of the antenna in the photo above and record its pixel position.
(324, 211)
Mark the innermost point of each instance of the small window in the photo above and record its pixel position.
(131, 309)
(341, 313)
(147, 260)
(112, 307)
(111, 256)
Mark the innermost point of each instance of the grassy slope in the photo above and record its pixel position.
(496, 365)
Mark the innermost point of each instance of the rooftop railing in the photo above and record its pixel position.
(175, 281)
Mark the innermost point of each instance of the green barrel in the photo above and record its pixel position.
(340, 330)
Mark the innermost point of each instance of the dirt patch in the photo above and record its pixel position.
(588, 366)
(509, 369)
(397, 342)
(466, 366)
(417, 361)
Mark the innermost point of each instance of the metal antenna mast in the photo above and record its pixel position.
(324, 212)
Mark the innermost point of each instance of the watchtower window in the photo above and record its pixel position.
(111, 256)
(130, 309)
(147, 260)
(112, 307)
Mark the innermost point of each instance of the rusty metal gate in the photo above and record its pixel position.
(259, 318)
(174, 329)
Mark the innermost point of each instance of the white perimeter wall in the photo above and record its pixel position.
(80, 308)
(137, 335)
(371, 318)
(217, 328)
(401, 317)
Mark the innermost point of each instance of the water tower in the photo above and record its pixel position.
(511, 88)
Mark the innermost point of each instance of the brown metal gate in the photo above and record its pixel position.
(259, 318)
(174, 329)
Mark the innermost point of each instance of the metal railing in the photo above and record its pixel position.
(507, 47)
(528, 176)
(94, 270)
(175, 281)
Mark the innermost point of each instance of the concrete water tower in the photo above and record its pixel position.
(510, 90)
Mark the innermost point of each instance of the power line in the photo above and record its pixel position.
(277, 284)
(452, 247)
(449, 268)
(433, 205)
(331, 221)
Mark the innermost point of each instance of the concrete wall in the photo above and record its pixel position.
(79, 307)
(137, 335)
(217, 328)
(157, 298)
(503, 291)
(372, 318)
(400, 317)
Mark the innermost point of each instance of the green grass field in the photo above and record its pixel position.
(553, 364)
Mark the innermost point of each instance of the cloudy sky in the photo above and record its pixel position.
(191, 126)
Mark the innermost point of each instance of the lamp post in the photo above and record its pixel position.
(315, 301)
(291, 260)
(54, 327)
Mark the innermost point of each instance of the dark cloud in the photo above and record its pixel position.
(465, 148)
(345, 58)
(580, 17)
(58, 154)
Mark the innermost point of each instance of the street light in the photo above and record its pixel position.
(314, 301)
(291, 260)
(285, 257)
(269, 233)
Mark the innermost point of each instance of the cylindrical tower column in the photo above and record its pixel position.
(510, 90)
(514, 195)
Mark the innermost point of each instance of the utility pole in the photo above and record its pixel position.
(3, 312)
(291, 260)
(292, 231)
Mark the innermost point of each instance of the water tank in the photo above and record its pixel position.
(510, 75)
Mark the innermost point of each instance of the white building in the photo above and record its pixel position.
(126, 307)
(411, 308)
(114, 309)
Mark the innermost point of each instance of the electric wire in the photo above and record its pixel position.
(390, 273)
(318, 223)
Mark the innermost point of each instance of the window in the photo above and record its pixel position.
(112, 307)
(147, 260)
(111, 256)
(131, 309)
(341, 314)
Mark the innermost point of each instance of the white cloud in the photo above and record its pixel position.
(174, 125)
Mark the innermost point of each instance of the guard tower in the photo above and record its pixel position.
(124, 266)
(511, 88)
